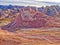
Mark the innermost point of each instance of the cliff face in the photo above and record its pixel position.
(27, 20)
(32, 19)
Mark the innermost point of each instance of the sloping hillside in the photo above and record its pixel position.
(30, 37)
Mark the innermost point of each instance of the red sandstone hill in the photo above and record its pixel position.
(32, 19)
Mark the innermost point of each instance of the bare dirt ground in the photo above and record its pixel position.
(31, 37)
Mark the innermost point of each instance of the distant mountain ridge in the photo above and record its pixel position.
(48, 10)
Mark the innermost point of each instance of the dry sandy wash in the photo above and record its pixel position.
(30, 37)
